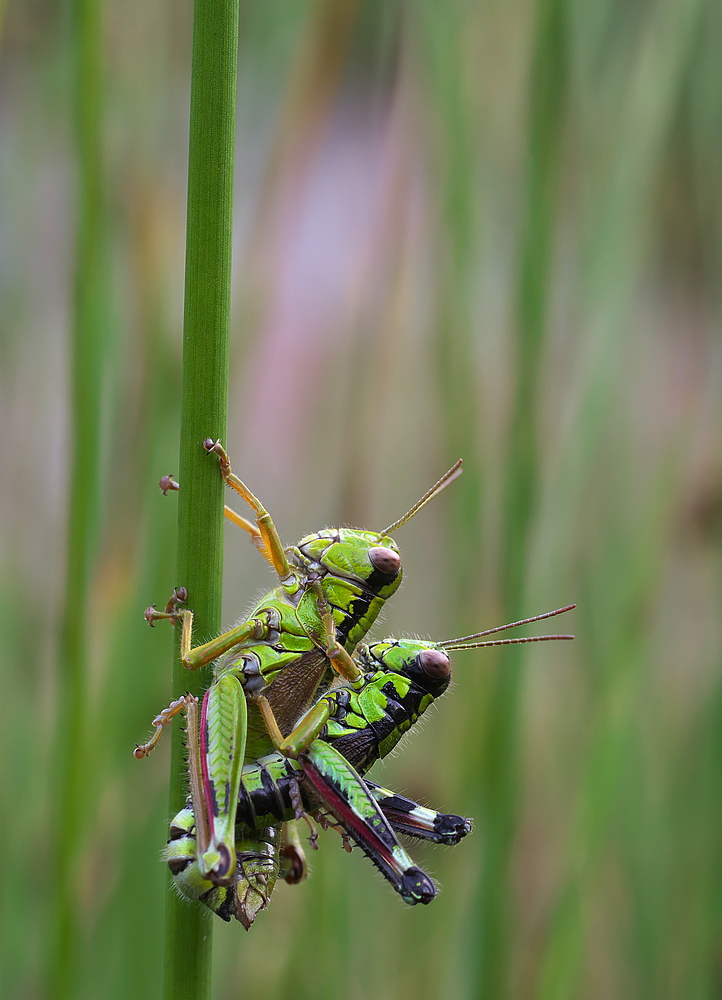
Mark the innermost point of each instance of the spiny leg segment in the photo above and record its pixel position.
(264, 535)
(200, 656)
(164, 718)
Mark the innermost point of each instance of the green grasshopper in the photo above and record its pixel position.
(332, 586)
(318, 768)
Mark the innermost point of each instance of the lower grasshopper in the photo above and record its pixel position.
(314, 771)
(332, 586)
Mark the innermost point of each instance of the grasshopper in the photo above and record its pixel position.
(332, 586)
(317, 769)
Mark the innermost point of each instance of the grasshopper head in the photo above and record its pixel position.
(427, 663)
(424, 663)
(366, 559)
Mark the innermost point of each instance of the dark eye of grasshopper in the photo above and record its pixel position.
(435, 663)
(385, 560)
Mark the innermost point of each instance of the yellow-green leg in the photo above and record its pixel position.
(341, 660)
(269, 544)
(305, 732)
(163, 719)
(194, 658)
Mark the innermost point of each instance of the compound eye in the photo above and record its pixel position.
(435, 663)
(385, 560)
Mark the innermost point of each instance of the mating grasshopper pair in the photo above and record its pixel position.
(268, 693)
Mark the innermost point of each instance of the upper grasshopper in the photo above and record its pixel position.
(332, 586)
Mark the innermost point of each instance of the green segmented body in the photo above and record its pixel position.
(363, 724)
(288, 664)
(290, 613)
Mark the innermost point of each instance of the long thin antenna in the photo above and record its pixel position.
(503, 628)
(509, 642)
(448, 478)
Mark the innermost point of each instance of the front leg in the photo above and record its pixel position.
(265, 535)
(341, 660)
(193, 659)
(200, 656)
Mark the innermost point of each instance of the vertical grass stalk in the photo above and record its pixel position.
(203, 413)
(444, 27)
(84, 501)
(499, 778)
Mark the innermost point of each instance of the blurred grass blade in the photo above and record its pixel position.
(489, 956)
(444, 26)
(89, 331)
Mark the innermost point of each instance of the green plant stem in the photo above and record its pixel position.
(84, 501)
(203, 414)
(499, 780)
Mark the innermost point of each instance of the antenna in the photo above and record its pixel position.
(508, 642)
(448, 478)
(454, 643)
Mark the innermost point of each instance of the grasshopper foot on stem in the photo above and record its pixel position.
(167, 483)
(179, 596)
(215, 446)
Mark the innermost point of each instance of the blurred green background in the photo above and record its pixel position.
(489, 230)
